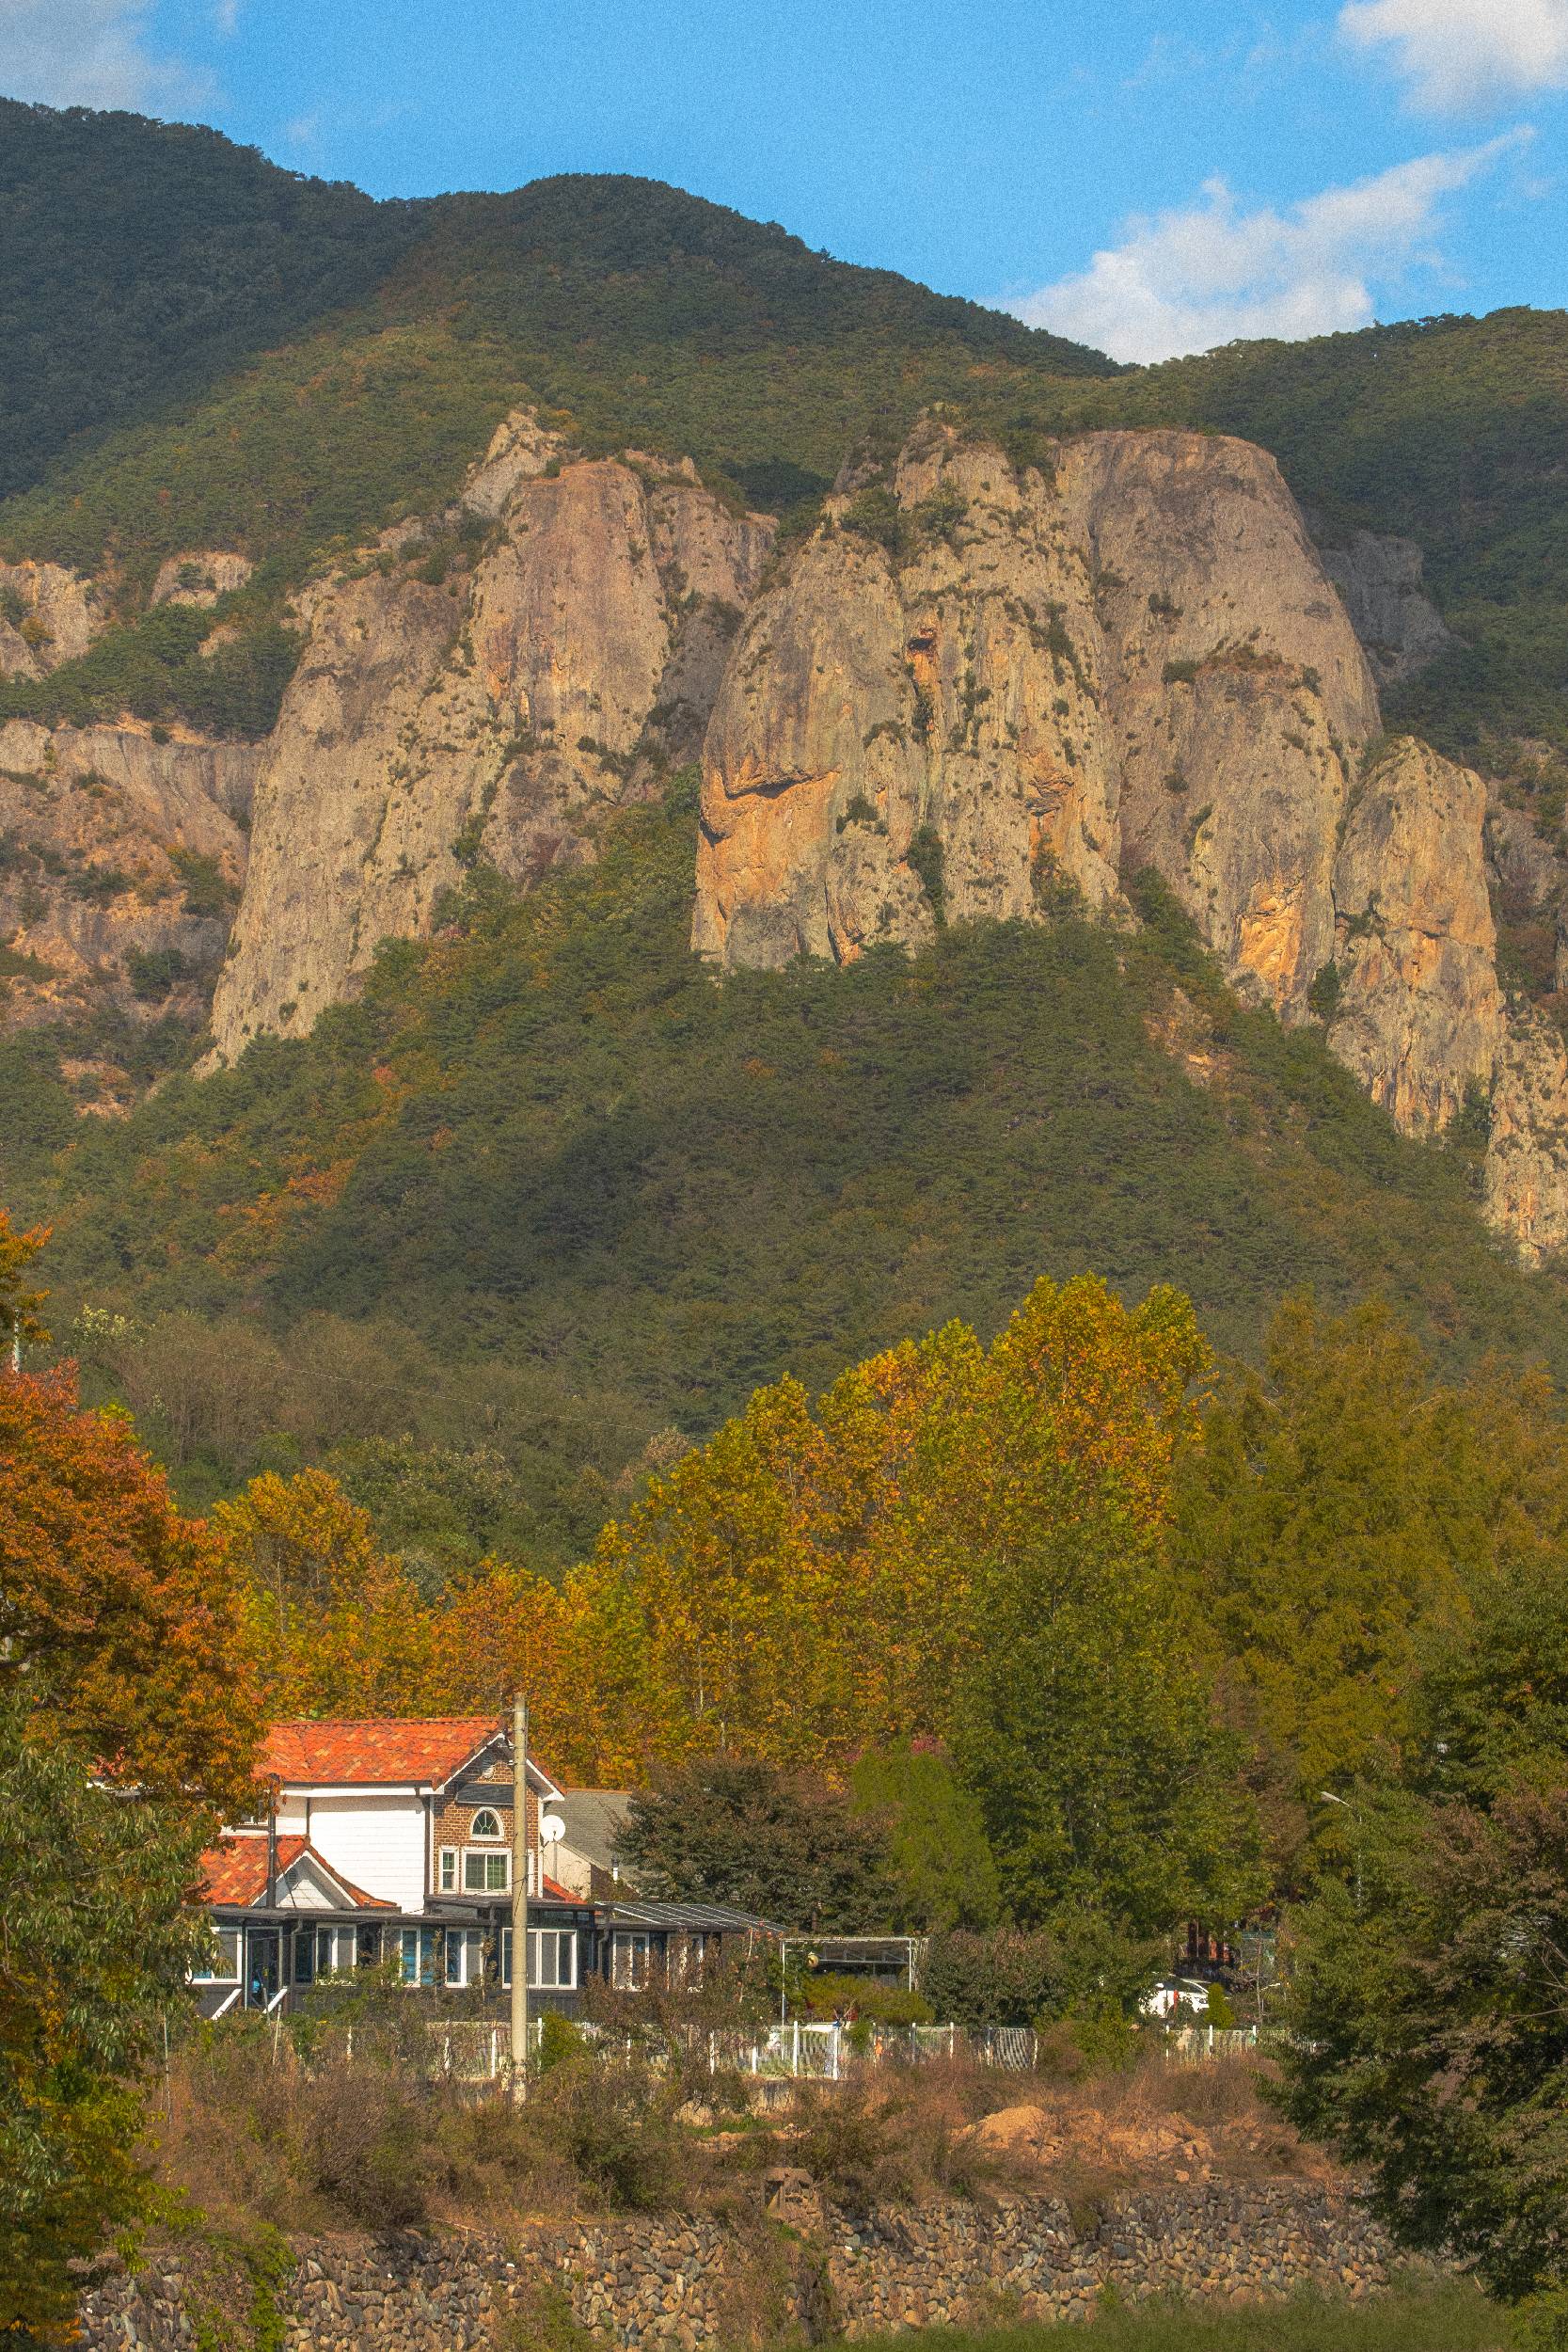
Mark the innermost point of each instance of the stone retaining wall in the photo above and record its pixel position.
(688, 2282)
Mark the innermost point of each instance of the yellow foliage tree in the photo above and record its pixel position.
(338, 1624)
(803, 1585)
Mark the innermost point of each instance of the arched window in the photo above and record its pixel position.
(487, 1824)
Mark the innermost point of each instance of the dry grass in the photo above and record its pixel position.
(262, 2132)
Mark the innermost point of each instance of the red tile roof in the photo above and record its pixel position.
(234, 1874)
(333, 1754)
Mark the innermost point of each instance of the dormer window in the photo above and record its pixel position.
(487, 1824)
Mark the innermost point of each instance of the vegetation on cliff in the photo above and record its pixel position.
(549, 1190)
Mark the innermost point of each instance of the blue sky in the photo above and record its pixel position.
(1148, 176)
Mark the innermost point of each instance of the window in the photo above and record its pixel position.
(552, 1958)
(367, 1947)
(326, 1950)
(225, 1967)
(486, 1825)
(418, 1955)
(305, 1955)
(629, 1961)
(447, 1877)
(485, 1873)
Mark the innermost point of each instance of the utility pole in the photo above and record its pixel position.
(519, 1899)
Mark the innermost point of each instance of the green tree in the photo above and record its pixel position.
(1086, 1729)
(943, 1871)
(1016, 1976)
(1430, 2037)
(785, 1844)
(98, 1941)
(1333, 1520)
(1492, 1703)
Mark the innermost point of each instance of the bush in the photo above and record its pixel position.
(614, 2121)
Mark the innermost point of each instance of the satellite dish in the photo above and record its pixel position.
(551, 1826)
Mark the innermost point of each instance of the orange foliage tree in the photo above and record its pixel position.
(117, 1622)
(800, 1588)
(19, 1307)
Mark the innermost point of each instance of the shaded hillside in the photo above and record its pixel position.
(566, 1163)
(138, 256)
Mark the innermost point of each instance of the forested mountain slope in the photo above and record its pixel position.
(577, 1194)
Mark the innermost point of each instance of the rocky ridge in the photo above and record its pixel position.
(972, 692)
(975, 692)
(541, 654)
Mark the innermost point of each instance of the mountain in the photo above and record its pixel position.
(1124, 806)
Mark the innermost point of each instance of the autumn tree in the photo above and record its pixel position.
(128, 1717)
(804, 1582)
(20, 1325)
(337, 1622)
(119, 1621)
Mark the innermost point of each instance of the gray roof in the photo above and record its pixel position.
(694, 1918)
(594, 1818)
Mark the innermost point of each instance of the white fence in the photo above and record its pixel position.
(474, 2050)
(1195, 2046)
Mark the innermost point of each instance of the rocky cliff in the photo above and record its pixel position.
(47, 616)
(121, 858)
(975, 689)
(972, 691)
(487, 687)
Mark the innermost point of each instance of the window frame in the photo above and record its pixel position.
(563, 1942)
(230, 1941)
(480, 1858)
(632, 1945)
(488, 1837)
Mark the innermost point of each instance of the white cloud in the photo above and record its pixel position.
(89, 53)
(1212, 273)
(1466, 52)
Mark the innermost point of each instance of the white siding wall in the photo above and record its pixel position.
(378, 1842)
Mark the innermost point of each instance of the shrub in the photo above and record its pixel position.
(876, 514)
(925, 858)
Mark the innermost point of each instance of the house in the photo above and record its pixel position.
(390, 1841)
(385, 1841)
(585, 1857)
